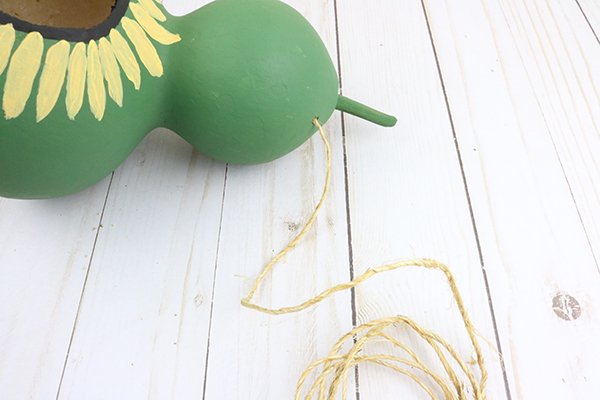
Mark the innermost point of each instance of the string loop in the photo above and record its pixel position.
(336, 366)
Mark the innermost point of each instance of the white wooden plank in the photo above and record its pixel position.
(562, 58)
(407, 195)
(143, 324)
(254, 356)
(508, 78)
(45, 249)
(407, 200)
(591, 11)
(575, 130)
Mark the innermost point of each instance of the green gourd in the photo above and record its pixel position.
(242, 86)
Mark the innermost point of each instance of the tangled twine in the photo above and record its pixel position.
(335, 367)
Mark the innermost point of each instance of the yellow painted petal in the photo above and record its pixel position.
(111, 71)
(95, 81)
(126, 58)
(153, 10)
(154, 29)
(144, 47)
(52, 79)
(76, 80)
(7, 40)
(21, 73)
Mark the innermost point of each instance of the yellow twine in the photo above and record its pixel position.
(336, 366)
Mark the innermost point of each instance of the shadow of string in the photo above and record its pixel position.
(336, 367)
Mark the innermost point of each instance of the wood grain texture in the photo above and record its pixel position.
(45, 250)
(407, 195)
(131, 289)
(578, 142)
(142, 329)
(534, 244)
(265, 207)
(561, 54)
(591, 13)
(254, 356)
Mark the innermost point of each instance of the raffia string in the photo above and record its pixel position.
(337, 366)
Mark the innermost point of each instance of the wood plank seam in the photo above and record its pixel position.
(560, 161)
(572, 193)
(587, 20)
(590, 25)
(347, 197)
(548, 126)
(469, 202)
(212, 300)
(87, 274)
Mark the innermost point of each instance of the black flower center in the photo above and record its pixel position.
(72, 20)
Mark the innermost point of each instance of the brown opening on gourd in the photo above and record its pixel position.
(77, 14)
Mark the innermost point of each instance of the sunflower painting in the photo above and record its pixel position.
(241, 81)
(77, 47)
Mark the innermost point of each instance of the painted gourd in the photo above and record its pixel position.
(241, 80)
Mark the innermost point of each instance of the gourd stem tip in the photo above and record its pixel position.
(362, 111)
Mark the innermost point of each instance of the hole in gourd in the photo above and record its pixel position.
(60, 13)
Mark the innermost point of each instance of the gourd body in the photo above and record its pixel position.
(242, 86)
(255, 75)
(59, 156)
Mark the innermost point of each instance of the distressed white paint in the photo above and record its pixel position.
(407, 195)
(143, 324)
(161, 297)
(520, 177)
(265, 207)
(45, 249)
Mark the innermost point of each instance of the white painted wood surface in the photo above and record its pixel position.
(131, 289)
